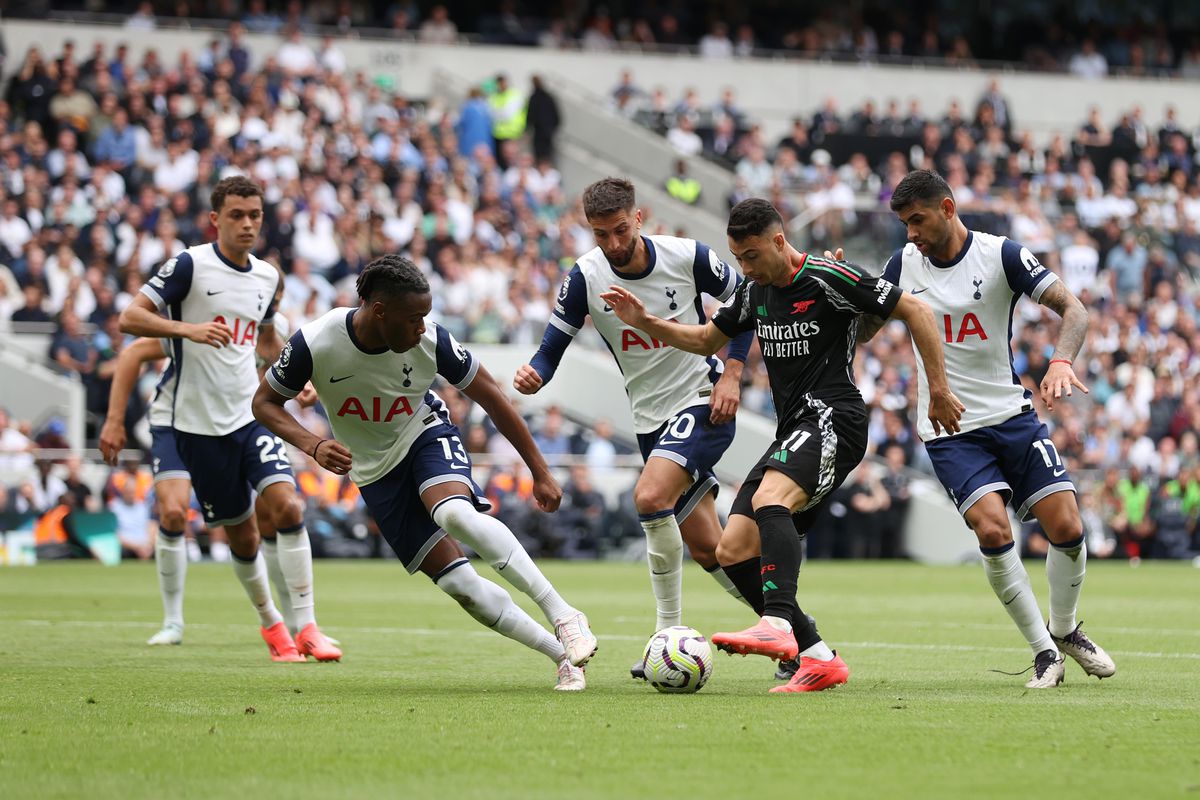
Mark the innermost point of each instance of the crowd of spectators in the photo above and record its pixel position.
(107, 160)
(1066, 37)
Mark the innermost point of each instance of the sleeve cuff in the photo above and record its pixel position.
(274, 383)
(470, 376)
(154, 296)
(562, 325)
(1045, 283)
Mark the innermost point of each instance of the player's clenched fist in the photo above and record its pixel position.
(527, 380)
(547, 494)
(112, 440)
(216, 334)
(333, 456)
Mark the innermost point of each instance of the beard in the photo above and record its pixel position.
(623, 258)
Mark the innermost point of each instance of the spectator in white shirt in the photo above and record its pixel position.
(1088, 62)
(15, 232)
(295, 57)
(439, 28)
(683, 137)
(716, 43)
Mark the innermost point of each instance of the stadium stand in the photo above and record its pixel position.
(108, 151)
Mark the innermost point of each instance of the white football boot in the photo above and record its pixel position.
(570, 678)
(576, 637)
(171, 633)
(1086, 653)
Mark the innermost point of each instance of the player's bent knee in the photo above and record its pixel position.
(649, 499)
(289, 514)
(454, 514)
(173, 518)
(992, 534)
(735, 551)
(1066, 528)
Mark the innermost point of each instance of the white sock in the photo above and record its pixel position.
(494, 608)
(820, 651)
(170, 558)
(664, 552)
(253, 575)
(779, 623)
(295, 562)
(1065, 567)
(723, 581)
(1010, 582)
(270, 551)
(492, 539)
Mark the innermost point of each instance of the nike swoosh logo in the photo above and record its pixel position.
(1073, 585)
(283, 466)
(211, 293)
(458, 466)
(1014, 597)
(922, 289)
(670, 441)
(336, 380)
(1058, 473)
(607, 307)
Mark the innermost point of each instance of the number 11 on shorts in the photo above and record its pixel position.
(791, 445)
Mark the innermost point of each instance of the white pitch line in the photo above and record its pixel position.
(618, 637)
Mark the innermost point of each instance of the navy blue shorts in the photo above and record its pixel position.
(437, 456)
(165, 461)
(1015, 458)
(225, 469)
(694, 443)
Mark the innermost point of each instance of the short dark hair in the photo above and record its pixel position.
(236, 185)
(390, 276)
(608, 196)
(751, 217)
(923, 186)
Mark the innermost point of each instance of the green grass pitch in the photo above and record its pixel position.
(429, 704)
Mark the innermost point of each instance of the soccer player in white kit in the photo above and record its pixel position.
(373, 367)
(216, 303)
(683, 404)
(1004, 453)
(173, 489)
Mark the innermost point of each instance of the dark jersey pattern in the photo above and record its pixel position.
(807, 329)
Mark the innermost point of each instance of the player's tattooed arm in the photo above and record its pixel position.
(484, 390)
(1060, 375)
(1074, 315)
(703, 339)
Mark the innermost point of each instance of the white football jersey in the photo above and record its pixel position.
(973, 298)
(378, 401)
(213, 386)
(162, 406)
(660, 380)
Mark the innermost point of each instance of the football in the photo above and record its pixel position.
(677, 660)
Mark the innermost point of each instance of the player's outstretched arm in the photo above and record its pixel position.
(128, 367)
(484, 390)
(703, 339)
(1060, 376)
(268, 409)
(141, 318)
(945, 410)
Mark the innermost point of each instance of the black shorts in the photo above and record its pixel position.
(818, 448)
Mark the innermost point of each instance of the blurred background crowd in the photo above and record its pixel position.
(107, 158)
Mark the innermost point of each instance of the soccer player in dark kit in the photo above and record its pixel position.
(806, 311)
